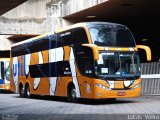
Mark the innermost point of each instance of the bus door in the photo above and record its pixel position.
(85, 63)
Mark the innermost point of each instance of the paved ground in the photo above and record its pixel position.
(12, 106)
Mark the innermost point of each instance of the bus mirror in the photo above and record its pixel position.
(94, 50)
(147, 49)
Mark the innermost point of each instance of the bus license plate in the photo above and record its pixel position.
(121, 93)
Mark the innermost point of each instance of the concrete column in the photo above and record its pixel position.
(32, 17)
(5, 44)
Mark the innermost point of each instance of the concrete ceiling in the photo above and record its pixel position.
(6, 5)
(113, 9)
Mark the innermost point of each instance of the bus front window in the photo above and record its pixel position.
(118, 65)
(7, 71)
(111, 36)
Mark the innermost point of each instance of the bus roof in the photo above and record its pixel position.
(104, 23)
(88, 24)
(83, 24)
(32, 39)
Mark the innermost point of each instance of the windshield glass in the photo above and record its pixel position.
(112, 36)
(118, 65)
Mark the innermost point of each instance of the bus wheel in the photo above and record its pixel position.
(21, 91)
(72, 94)
(27, 91)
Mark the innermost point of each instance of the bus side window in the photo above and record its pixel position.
(73, 37)
(79, 36)
(65, 38)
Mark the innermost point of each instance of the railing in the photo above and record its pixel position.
(151, 78)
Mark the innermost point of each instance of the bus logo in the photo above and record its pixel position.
(123, 73)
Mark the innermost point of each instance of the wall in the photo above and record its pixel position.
(32, 17)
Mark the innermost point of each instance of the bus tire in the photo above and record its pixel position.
(27, 91)
(72, 94)
(21, 91)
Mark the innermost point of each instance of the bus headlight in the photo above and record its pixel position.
(102, 86)
(7, 87)
(136, 86)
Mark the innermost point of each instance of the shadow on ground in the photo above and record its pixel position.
(81, 101)
(5, 92)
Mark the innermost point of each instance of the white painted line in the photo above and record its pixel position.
(151, 76)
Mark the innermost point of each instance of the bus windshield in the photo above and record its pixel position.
(118, 65)
(112, 36)
(7, 71)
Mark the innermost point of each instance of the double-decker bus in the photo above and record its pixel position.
(4, 74)
(94, 60)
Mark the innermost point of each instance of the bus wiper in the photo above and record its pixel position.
(104, 76)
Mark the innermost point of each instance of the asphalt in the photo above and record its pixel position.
(12, 107)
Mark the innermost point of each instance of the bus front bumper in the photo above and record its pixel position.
(102, 94)
(5, 86)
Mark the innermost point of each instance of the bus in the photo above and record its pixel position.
(4, 74)
(93, 60)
